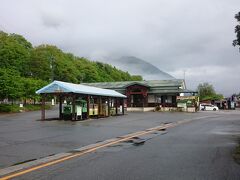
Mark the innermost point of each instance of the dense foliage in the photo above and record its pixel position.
(236, 42)
(207, 92)
(24, 68)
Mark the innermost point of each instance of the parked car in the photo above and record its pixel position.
(208, 107)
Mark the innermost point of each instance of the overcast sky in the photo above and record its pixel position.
(174, 35)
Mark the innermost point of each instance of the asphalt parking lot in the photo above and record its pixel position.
(23, 137)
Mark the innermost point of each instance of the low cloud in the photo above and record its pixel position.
(224, 79)
(51, 21)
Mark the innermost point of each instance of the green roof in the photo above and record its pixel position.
(155, 86)
(167, 91)
(151, 84)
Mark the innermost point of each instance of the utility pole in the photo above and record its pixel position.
(184, 74)
(52, 67)
(52, 76)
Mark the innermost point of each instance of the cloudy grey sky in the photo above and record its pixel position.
(174, 35)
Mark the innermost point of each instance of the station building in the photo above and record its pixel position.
(146, 95)
(81, 101)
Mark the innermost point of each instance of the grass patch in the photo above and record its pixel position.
(31, 107)
(9, 108)
(236, 154)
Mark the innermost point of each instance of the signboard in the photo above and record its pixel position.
(182, 105)
(232, 105)
(186, 97)
(188, 100)
(79, 110)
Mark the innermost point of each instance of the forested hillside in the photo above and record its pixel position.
(24, 68)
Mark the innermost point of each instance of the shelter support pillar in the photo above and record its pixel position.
(100, 109)
(98, 103)
(43, 107)
(60, 107)
(123, 106)
(74, 107)
(116, 106)
(88, 105)
(109, 107)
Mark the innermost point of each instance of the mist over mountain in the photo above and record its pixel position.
(138, 66)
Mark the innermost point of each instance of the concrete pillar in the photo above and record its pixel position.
(109, 107)
(88, 105)
(98, 103)
(73, 107)
(60, 107)
(43, 107)
(100, 106)
(116, 106)
(123, 106)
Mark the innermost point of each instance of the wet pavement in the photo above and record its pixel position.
(23, 137)
(200, 149)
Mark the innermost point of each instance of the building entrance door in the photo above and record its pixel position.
(137, 95)
(137, 100)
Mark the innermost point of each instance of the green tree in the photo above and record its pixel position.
(106, 72)
(11, 84)
(206, 92)
(21, 40)
(24, 68)
(50, 63)
(41, 63)
(30, 87)
(236, 42)
(136, 78)
(87, 71)
(65, 69)
(14, 52)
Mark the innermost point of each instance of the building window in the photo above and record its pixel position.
(151, 99)
(159, 99)
(166, 99)
(169, 99)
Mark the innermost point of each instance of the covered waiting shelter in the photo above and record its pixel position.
(62, 90)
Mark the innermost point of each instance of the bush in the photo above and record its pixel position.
(9, 108)
(15, 107)
(158, 108)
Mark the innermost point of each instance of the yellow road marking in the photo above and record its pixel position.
(89, 150)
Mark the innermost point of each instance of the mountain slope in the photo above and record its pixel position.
(138, 66)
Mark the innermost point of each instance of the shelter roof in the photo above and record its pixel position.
(65, 87)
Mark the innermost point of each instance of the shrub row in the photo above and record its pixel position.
(16, 108)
